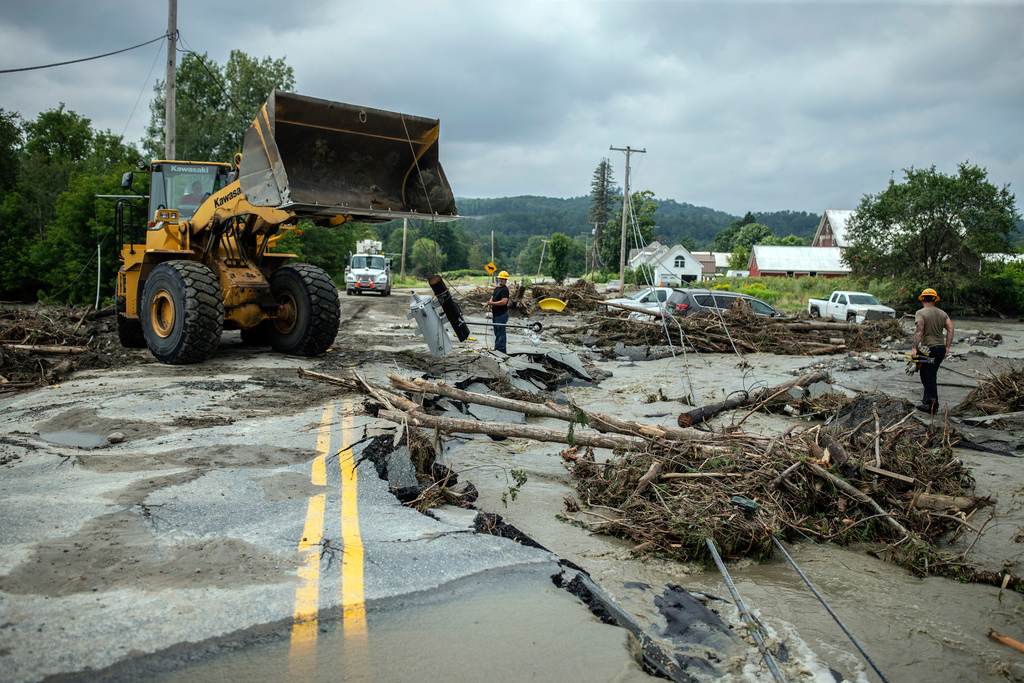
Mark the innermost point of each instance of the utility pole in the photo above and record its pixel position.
(405, 236)
(492, 246)
(540, 266)
(625, 207)
(169, 89)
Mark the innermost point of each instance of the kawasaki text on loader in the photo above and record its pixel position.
(208, 262)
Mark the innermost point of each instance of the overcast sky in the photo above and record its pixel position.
(757, 106)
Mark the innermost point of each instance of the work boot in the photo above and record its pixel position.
(926, 407)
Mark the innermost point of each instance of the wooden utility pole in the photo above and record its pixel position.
(405, 236)
(543, 246)
(169, 88)
(625, 208)
(492, 246)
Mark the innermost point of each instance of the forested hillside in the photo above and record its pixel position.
(515, 219)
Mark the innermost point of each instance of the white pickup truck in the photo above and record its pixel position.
(849, 306)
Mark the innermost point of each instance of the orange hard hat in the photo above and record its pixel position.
(503, 275)
(928, 291)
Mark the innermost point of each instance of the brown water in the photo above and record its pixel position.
(916, 630)
(513, 628)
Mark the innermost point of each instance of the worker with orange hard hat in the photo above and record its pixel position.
(499, 311)
(933, 335)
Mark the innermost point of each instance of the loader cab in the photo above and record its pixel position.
(184, 185)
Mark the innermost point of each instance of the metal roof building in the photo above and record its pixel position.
(831, 230)
(796, 261)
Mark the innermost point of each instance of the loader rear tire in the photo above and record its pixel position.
(182, 312)
(129, 330)
(310, 298)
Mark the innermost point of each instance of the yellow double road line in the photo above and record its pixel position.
(353, 606)
(307, 595)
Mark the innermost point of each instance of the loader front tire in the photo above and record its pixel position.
(310, 309)
(182, 312)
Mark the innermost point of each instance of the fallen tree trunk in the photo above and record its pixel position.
(860, 496)
(935, 501)
(599, 421)
(460, 426)
(45, 348)
(705, 413)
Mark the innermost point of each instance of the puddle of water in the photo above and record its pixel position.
(74, 438)
(513, 627)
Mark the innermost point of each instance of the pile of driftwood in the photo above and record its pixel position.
(995, 394)
(581, 295)
(43, 344)
(733, 330)
(886, 479)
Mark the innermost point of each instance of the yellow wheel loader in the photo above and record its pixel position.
(208, 260)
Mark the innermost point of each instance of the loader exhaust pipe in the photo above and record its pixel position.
(320, 158)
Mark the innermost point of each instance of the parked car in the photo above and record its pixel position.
(737, 273)
(849, 306)
(649, 297)
(613, 286)
(690, 301)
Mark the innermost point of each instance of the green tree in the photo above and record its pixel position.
(603, 198)
(932, 228)
(10, 149)
(561, 252)
(326, 247)
(210, 124)
(643, 207)
(724, 239)
(528, 260)
(744, 240)
(427, 257)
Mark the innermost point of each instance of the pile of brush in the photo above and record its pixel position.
(733, 330)
(995, 394)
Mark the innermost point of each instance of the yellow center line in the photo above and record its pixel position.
(353, 607)
(307, 593)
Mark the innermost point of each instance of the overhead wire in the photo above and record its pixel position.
(142, 90)
(83, 59)
(217, 79)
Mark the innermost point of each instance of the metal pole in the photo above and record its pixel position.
(492, 246)
(96, 307)
(540, 266)
(755, 631)
(169, 86)
(405, 236)
(828, 608)
(625, 204)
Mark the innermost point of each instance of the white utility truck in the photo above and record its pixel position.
(849, 306)
(368, 270)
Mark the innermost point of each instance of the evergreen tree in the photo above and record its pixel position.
(603, 198)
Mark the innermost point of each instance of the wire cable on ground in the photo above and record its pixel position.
(828, 608)
(754, 627)
(83, 59)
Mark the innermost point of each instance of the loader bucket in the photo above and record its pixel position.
(316, 157)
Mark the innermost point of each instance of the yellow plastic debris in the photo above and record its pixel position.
(551, 304)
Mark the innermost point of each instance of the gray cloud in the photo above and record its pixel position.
(741, 106)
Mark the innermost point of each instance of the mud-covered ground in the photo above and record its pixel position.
(154, 518)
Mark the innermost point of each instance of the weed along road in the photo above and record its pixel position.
(377, 513)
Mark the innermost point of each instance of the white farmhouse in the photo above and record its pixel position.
(671, 265)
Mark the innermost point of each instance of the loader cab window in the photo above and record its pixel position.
(184, 186)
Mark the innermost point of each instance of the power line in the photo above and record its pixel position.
(141, 91)
(216, 78)
(84, 59)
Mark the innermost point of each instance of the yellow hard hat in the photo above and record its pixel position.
(928, 291)
(503, 275)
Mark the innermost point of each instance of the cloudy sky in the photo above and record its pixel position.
(762, 106)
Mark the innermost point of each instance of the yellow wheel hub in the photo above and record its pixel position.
(284, 321)
(161, 313)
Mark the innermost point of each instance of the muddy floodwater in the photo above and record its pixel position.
(449, 636)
